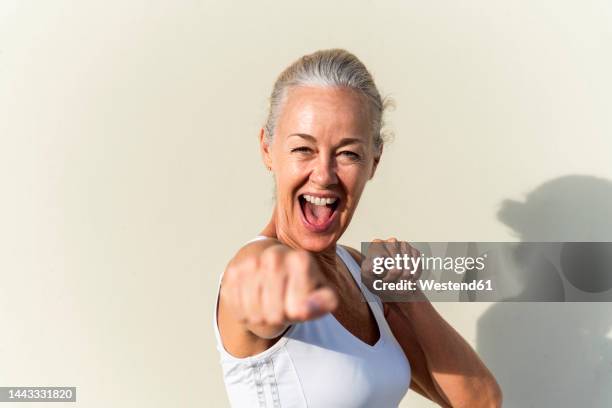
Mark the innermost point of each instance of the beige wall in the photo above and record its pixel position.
(130, 173)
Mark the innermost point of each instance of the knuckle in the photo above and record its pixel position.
(294, 314)
(302, 256)
(291, 310)
(304, 275)
(256, 319)
(273, 272)
(226, 297)
(270, 257)
(295, 311)
(236, 272)
(275, 318)
(292, 260)
(249, 264)
(272, 275)
(230, 277)
(231, 269)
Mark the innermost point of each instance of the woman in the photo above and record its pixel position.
(292, 327)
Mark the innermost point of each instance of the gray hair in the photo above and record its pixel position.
(329, 68)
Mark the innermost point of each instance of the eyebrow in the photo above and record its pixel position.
(343, 142)
(304, 136)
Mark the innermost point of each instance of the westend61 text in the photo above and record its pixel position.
(430, 284)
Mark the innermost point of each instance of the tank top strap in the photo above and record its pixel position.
(355, 270)
(257, 238)
(350, 262)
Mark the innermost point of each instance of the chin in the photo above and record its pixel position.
(312, 243)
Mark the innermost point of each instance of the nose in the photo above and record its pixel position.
(324, 172)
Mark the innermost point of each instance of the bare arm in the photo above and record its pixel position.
(444, 366)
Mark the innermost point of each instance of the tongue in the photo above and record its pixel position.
(317, 214)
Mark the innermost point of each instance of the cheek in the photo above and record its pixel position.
(293, 173)
(354, 181)
(288, 181)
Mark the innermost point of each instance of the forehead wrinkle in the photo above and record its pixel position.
(324, 111)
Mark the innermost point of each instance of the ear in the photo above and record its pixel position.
(377, 157)
(264, 147)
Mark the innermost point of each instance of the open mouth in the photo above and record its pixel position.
(318, 213)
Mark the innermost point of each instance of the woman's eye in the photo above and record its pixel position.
(301, 149)
(351, 155)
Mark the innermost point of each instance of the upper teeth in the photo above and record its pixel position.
(319, 200)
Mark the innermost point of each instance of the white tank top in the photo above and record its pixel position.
(320, 364)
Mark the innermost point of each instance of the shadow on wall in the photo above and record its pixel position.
(552, 354)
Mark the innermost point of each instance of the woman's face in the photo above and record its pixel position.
(322, 155)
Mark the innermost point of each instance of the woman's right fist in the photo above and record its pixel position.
(278, 287)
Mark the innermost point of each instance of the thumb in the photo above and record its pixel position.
(320, 302)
